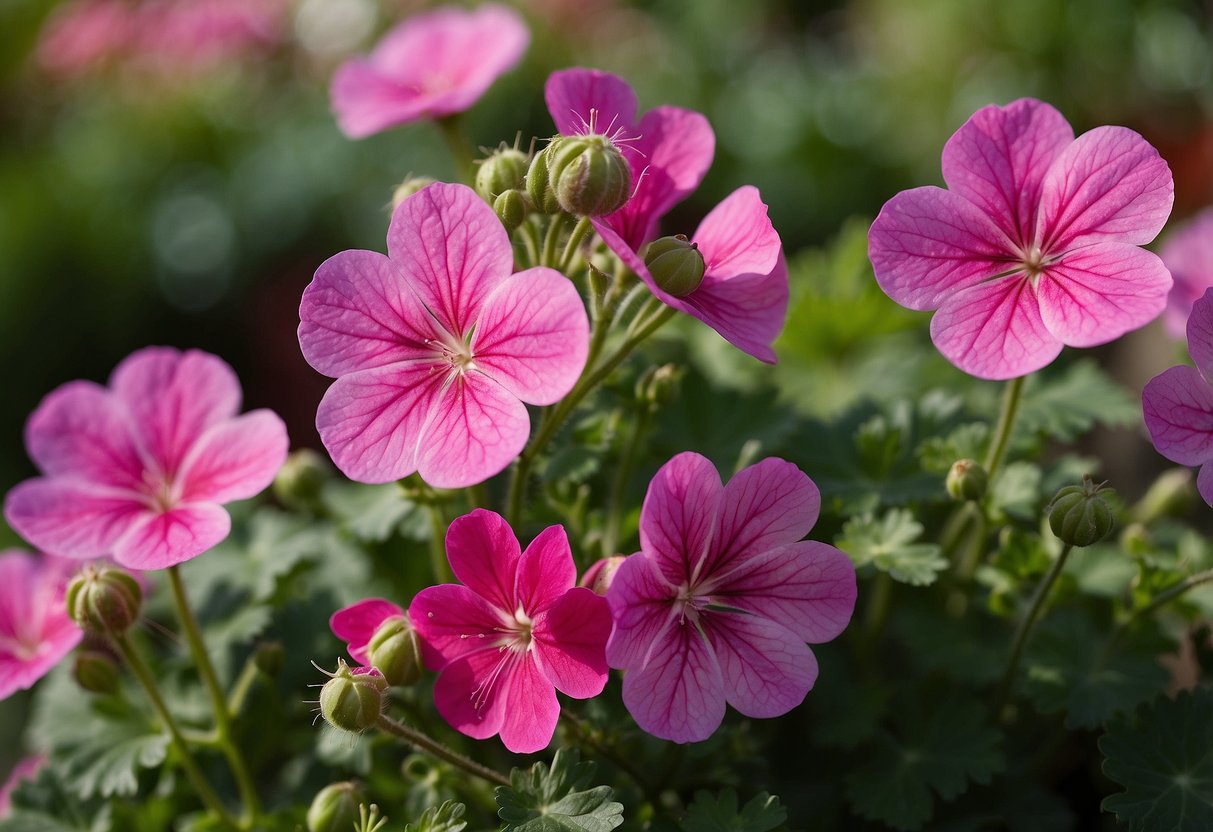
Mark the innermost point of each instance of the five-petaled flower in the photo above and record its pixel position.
(1178, 403)
(719, 604)
(1035, 243)
(1188, 255)
(35, 629)
(139, 471)
(516, 631)
(432, 65)
(436, 346)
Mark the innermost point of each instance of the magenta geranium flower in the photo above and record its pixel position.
(1178, 403)
(35, 630)
(719, 604)
(1188, 255)
(516, 631)
(357, 623)
(436, 346)
(1034, 245)
(26, 769)
(432, 65)
(139, 471)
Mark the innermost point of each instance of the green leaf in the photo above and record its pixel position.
(1066, 406)
(968, 441)
(372, 513)
(445, 818)
(1016, 491)
(557, 799)
(888, 545)
(719, 813)
(1163, 756)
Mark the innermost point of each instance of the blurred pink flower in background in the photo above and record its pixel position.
(26, 769)
(1188, 254)
(35, 630)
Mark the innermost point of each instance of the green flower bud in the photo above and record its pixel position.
(503, 171)
(658, 385)
(335, 808)
(589, 174)
(96, 671)
(967, 480)
(1079, 516)
(539, 184)
(352, 700)
(675, 264)
(409, 187)
(269, 657)
(395, 652)
(105, 601)
(511, 208)
(301, 479)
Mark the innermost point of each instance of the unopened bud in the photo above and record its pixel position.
(589, 174)
(658, 385)
(967, 480)
(96, 671)
(269, 657)
(105, 600)
(352, 698)
(335, 808)
(511, 208)
(301, 479)
(600, 575)
(503, 171)
(539, 184)
(1079, 516)
(675, 264)
(395, 652)
(409, 187)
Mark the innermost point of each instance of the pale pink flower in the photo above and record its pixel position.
(139, 471)
(436, 346)
(35, 630)
(1188, 255)
(720, 601)
(432, 65)
(1035, 243)
(26, 769)
(516, 631)
(357, 623)
(175, 37)
(84, 34)
(1178, 403)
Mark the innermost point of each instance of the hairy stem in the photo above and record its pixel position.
(431, 746)
(551, 241)
(1006, 425)
(1158, 602)
(459, 146)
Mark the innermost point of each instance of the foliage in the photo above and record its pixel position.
(551, 799)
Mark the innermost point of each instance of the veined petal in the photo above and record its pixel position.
(994, 330)
(477, 428)
(545, 571)
(679, 515)
(679, 694)
(642, 607)
(453, 621)
(574, 96)
(531, 710)
(570, 643)
(357, 623)
(484, 555)
(71, 517)
(1101, 291)
(158, 540)
(1178, 409)
(1200, 334)
(767, 670)
(81, 429)
(533, 336)
(1109, 185)
(748, 311)
(236, 459)
(472, 692)
(736, 238)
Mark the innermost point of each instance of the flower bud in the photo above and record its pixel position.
(539, 184)
(599, 576)
(352, 698)
(503, 171)
(335, 808)
(589, 174)
(301, 479)
(675, 264)
(395, 652)
(1079, 516)
(96, 671)
(269, 657)
(658, 385)
(409, 187)
(105, 601)
(967, 480)
(511, 208)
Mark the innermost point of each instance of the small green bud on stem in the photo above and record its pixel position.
(675, 264)
(352, 699)
(395, 652)
(106, 600)
(335, 808)
(504, 170)
(967, 480)
(1079, 516)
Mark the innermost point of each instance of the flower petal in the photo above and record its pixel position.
(452, 250)
(570, 643)
(1204, 483)
(736, 237)
(643, 609)
(366, 101)
(533, 336)
(453, 621)
(927, 244)
(484, 555)
(236, 459)
(1200, 334)
(998, 160)
(1188, 254)
(767, 670)
(81, 428)
(748, 311)
(357, 623)
(1099, 292)
(679, 514)
(70, 517)
(477, 429)
(472, 692)
(545, 571)
(531, 709)
(163, 539)
(1178, 409)
(679, 695)
(1109, 185)
(575, 96)
(994, 330)
(359, 312)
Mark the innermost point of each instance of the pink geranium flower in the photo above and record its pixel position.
(1178, 403)
(357, 623)
(436, 346)
(431, 65)
(26, 769)
(1188, 255)
(35, 630)
(139, 471)
(516, 631)
(1035, 243)
(722, 597)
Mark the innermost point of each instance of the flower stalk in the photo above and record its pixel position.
(1005, 427)
(431, 746)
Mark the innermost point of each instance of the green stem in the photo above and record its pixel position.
(1159, 601)
(437, 749)
(459, 147)
(1025, 628)
(530, 239)
(623, 472)
(242, 688)
(223, 717)
(1006, 424)
(551, 241)
(201, 785)
(438, 560)
(878, 608)
(580, 231)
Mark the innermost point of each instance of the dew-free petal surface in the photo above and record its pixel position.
(236, 459)
(158, 540)
(569, 638)
(679, 514)
(477, 429)
(1178, 409)
(766, 669)
(679, 694)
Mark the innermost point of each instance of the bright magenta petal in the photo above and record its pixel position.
(477, 429)
(679, 515)
(1200, 334)
(1109, 185)
(767, 670)
(927, 244)
(72, 518)
(1099, 292)
(994, 330)
(545, 571)
(533, 336)
(998, 160)
(484, 555)
(164, 539)
(453, 621)
(736, 238)
(643, 606)
(81, 428)
(1178, 408)
(570, 641)
(356, 624)
(531, 708)
(359, 312)
(453, 251)
(573, 94)
(236, 459)
(679, 694)
(472, 693)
